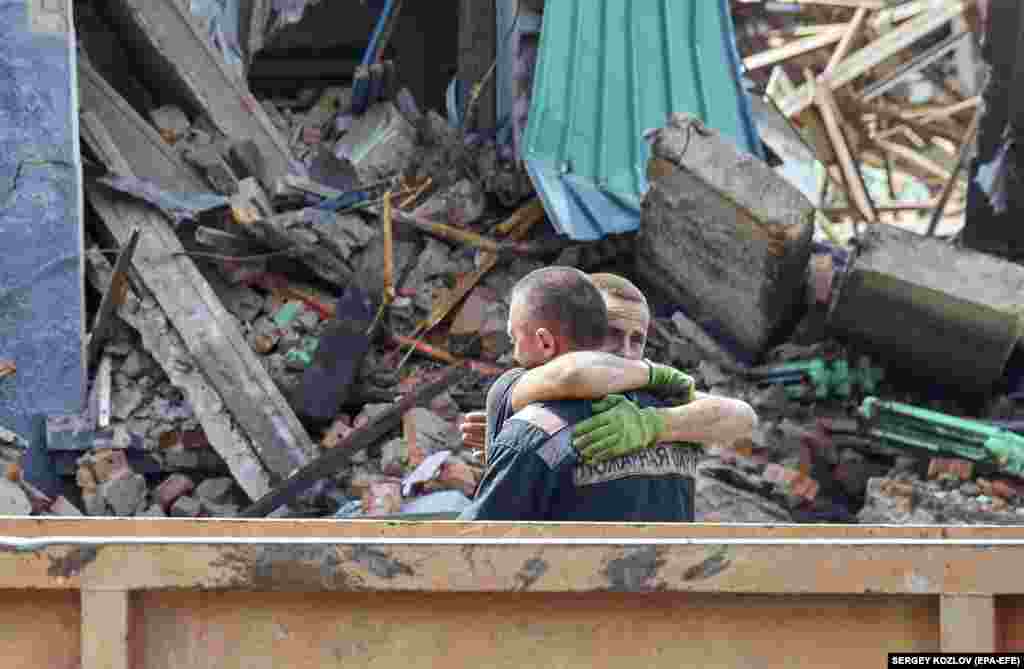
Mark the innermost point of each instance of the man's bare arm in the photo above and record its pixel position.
(585, 375)
(708, 419)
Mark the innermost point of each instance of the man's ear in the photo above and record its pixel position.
(547, 342)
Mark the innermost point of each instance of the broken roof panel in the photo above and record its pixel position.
(608, 71)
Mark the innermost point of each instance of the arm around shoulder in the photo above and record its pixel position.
(581, 375)
(709, 419)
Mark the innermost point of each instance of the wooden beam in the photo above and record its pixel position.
(968, 624)
(915, 64)
(208, 330)
(163, 342)
(793, 49)
(898, 12)
(832, 117)
(849, 34)
(112, 298)
(803, 30)
(106, 627)
(169, 34)
(866, 4)
(889, 113)
(779, 85)
(152, 158)
(936, 114)
(875, 52)
(915, 158)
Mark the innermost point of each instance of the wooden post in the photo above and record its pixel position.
(968, 624)
(106, 618)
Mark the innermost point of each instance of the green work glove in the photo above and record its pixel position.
(617, 427)
(670, 382)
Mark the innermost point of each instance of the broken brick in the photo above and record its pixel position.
(107, 464)
(383, 496)
(369, 412)
(394, 457)
(897, 488)
(86, 480)
(215, 491)
(124, 493)
(950, 467)
(791, 482)
(425, 433)
(186, 507)
(340, 428)
(1008, 490)
(311, 135)
(95, 504)
(175, 486)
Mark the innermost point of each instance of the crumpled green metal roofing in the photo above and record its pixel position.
(609, 70)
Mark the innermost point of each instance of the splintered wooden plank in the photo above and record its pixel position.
(166, 346)
(169, 35)
(849, 35)
(832, 117)
(914, 158)
(793, 49)
(112, 299)
(875, 52)
(866, 4)
(208, 330)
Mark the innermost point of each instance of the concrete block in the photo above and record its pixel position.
(215, 491)
(920, 304)
(379, 143)
(722, 234)
(186, 507)
(425, 433)
(124, 494)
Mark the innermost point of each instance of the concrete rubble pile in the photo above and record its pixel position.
(303, 262)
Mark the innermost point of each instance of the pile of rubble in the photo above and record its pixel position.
(271, 278)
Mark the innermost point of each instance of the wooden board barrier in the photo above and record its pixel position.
(158, 593)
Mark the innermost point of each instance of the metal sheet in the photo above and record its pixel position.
(41, 290)
(608, 71)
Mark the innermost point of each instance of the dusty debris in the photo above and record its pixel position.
(426, 433)
(171, 122)
(186, 507)
(173, 487)
(306, 177)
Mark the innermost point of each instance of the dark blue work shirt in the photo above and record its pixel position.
(534, 473)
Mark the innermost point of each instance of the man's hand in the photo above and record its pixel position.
(670, 382)
(617, 427)
(474, 429)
